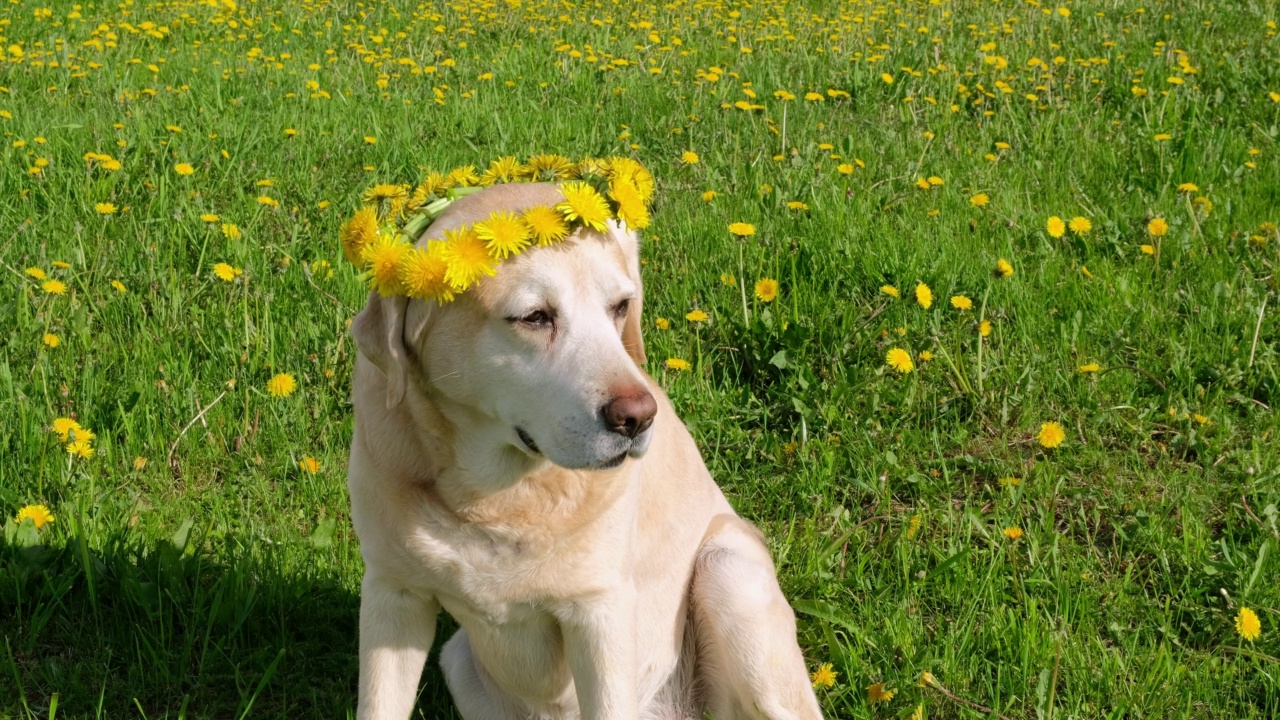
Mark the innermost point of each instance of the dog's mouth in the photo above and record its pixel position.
(612, 462)
(528, 441)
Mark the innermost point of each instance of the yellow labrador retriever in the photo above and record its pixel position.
(513, 465)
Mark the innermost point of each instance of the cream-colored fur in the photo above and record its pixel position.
(594, 574)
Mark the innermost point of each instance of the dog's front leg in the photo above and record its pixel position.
(600, 642)
(396, 632)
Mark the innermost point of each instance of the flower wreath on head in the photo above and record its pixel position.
(380, 238)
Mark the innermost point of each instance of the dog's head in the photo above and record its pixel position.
(542, 360)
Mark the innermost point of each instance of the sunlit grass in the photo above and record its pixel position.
(1055, 495)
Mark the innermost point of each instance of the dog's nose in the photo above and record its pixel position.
(630, 414)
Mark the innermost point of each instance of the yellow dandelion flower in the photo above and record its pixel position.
(824, 676)
(677, 364)
(689, 157)
(546, 225)
(924, 296)
(662, 323)
(1089, 368)
(621, 168)
(899, 360)
(184, 168)
(210, 217)
(80, 448)
(422, 273)
(961, 302)
(697, 316)
(469, 260)
(119, 286)
(767, 289)
(36, 273)
(887, 78)
(309, 465)
(923, 184)
(979, 200)
(386, 198)
(39, 515)
(383, 256)
(433, 184)
(984, 328)
(268, 201)
(231, 231)
(1157, 227)
(631, 207)
(105, 208)
(550, 167)
(281, 385)
(371, 139)
(709, 195)
(504, 170)
(1148, 249)
(890, 290)
(1247, 624)
(913, 527)
(583, 204)
(1051, 435)
(504, 233)
(1187, 187)
(878, 694)
(357, 233)
(1055, 227)
(1013, 532)
(935, 181)
(1003, 268)
(54, 287)
(928, 680)
(1080, 225)
(225, 272)
(51, 340)
(926, 356)
(741, 229)
(64, 427)
(139, 462)
(463, 176)
(797, 205)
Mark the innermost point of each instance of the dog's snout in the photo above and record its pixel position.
(630, 414)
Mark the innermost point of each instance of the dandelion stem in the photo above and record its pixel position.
(783, 150)
(742, 285)
(174, 447)
(1195, 223)
(1256, 329)
(982, 315)
(967, 703)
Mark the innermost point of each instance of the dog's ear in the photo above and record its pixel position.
(383, 332)
(632, 337)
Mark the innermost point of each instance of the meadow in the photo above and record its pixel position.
(995, 372)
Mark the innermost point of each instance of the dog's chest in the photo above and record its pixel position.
(498, 576)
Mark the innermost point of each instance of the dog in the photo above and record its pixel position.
(513, 465)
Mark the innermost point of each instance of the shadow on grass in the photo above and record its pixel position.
(127, 630)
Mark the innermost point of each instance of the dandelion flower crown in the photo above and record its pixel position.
(380, 238)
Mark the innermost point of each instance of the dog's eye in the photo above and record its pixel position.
(620, 309)
(537, 319)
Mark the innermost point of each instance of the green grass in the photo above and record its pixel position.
(219, 580)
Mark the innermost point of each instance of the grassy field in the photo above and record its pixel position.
(201, 563)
